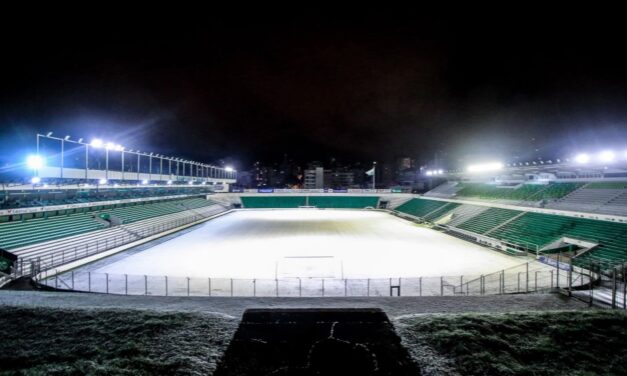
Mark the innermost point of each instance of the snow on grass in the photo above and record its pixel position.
(268, 244)
(532, 343)
(110, 341)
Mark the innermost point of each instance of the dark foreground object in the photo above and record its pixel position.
(316, 342)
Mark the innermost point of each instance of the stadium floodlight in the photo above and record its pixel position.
(440, 172)
(228, 169)
(144, 182)
(45, 185)
(66, 137)
(102, 181)
(48, 134)
(191, 182)
(118, 147)
(582, 158)
(169, 182)
(607, 156)
(485, 167)
(35, 180)
(116, 185)
(34, 162)
(429, 173)
(80, 140)
(110, 146)
(96, 142)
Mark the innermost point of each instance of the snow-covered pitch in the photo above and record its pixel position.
(314, 243)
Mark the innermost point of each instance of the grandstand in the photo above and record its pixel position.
(523, 215)
(18, 197)
(488, 220)
(68, 234)
(420, 208)
(266, 202)
(595, 198)
(518, 193)
(530, 230)
(321, 202)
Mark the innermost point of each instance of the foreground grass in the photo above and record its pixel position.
(38, 341)
(536, 343)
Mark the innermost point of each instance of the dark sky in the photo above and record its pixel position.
(369, 84)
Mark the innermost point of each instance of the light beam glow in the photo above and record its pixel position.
(35, 162)
(485, 167)
(606, 156)
(582, 158)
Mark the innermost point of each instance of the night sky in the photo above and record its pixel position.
(357, 86)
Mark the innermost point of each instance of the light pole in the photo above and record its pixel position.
(106, 163)
(374, 172)
(86, 161)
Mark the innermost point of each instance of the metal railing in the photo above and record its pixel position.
(525, 278)
(548, 273)
(31, 266)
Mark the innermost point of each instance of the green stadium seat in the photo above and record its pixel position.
(272, 202)
(37, 230)
(343, 202)
(488, 220)
(418, 207)
(525, 192)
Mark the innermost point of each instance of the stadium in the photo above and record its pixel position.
(178, 230)
(385, 192)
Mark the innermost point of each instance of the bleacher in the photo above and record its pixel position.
(556, 191)
(538, 230)
(444, 190)
(463, 213)
(420, 207)
(616, 206)
(587, 199)
(133, 213)
(54, 252)
(543, 229)
(443, 210)
(11, 199)
(607, 185)
(343, 202)
(323, 202)
(523, 192)
(487, 220)
(272, 202)
(21, 233)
